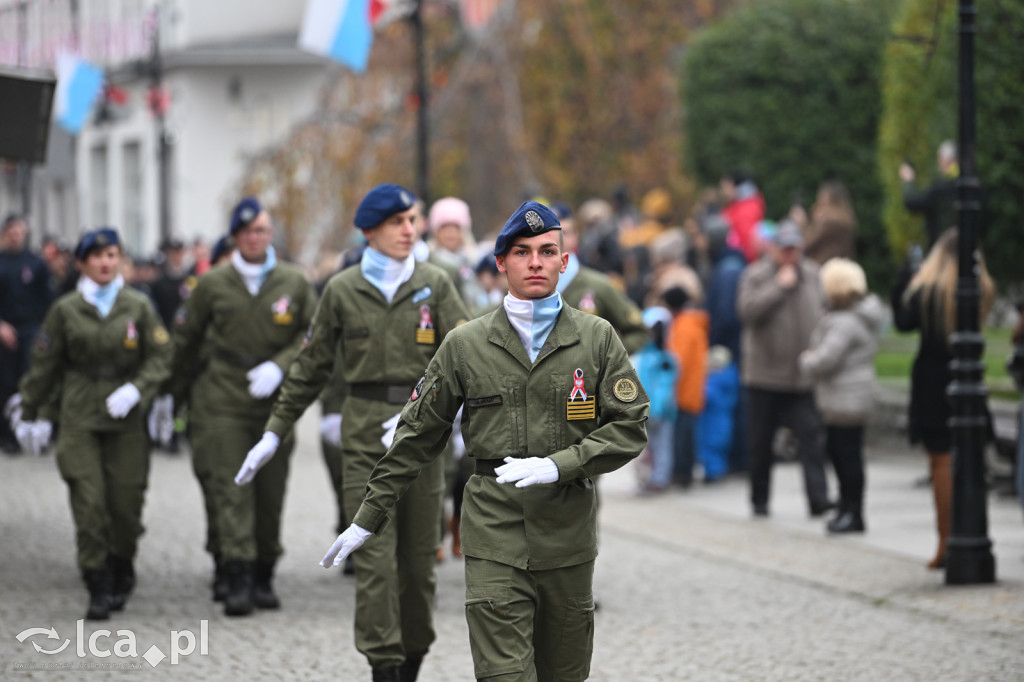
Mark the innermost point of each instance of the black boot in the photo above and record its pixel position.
(220, 579)
(850, 521)
(97, 580)
(387, 675)
(122, 575)
(238, 601)
(410, 669)
(262, 588)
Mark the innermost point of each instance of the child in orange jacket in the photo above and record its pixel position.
(688, 341)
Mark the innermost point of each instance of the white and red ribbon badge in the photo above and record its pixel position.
(425, 322)
(577, 385)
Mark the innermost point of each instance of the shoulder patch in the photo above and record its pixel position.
(626, 389)
(42, 342)
(160, 335)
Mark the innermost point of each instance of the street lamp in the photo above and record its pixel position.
(969, 557)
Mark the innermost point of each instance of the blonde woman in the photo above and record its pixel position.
(841, 363)
(927, 302)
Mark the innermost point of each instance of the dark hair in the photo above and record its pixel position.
(11, 219)
(676, 298)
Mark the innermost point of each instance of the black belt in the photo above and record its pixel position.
(242, 360)
(385, 393)
(105, 371)
(486, 467)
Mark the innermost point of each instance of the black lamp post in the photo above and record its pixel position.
(969, 560)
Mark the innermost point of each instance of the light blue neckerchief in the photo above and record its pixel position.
(101, 297)
(254, 273)
(533, 320)
(386, 273)
(571, 270)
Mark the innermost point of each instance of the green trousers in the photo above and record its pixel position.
(332, 459)
(396, 569)
(202, 458)
(246, 519)
(106, 474)
(530, 626)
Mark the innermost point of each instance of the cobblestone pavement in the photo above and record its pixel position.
(690, 587)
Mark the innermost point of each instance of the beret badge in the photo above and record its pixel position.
(534, 221)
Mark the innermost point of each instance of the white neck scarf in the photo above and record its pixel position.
(533, 320)
(386, 273)
(253, 274)
(101, 297)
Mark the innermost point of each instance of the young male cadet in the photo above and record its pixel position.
(248, 318)
(379, 324)
(551, 400)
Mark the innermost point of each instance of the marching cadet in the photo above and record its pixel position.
(104, 349)
(387, 318)
(551, 400)
(248, 319)
(592, 291)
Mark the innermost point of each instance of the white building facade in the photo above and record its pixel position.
(234, 82)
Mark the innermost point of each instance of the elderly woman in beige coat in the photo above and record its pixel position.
(841, 363)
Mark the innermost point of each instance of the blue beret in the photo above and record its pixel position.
(245, 212)
(224, 245)
(95, 240)
(382, 202)
(530, 219)
(562, 210)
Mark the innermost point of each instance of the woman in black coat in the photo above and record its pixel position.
(925, 300)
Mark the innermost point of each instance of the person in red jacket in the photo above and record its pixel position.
(744, 209)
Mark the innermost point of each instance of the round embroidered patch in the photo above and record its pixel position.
(626, 390)
(161, 336)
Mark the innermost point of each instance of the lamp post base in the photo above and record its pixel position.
(969, 561)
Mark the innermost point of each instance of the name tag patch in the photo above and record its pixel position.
(485, 402)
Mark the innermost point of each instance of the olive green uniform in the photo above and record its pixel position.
(104, 461)
(241, 332)
(384, 350)
(331, 400)
(592, 292)
(530, 551)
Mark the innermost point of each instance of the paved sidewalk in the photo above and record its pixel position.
(690, 587)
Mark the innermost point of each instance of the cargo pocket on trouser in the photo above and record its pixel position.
(500, 632)
(572, 647)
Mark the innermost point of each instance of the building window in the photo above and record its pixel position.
(99, 190)
(132, 221)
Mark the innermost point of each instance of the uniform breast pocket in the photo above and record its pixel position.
(355, 341)
(574, 404)
(489, 420)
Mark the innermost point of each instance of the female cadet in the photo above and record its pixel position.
(105, 350)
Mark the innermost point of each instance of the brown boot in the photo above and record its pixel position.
(942, 486)
(455, 526)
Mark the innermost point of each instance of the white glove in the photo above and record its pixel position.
(161, 420)
(257, 457)
(34, 436)
(12, 410)
(527, 471)
(389, 430)
(330, 429)
(264, 379)
(121, 401)
(348, 542)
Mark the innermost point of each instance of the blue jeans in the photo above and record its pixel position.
(660, 439)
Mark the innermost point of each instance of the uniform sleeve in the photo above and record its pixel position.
(43, 379)
(307, 308)
(158, 355)
(627, 320)
(622, 432)
(309, 372)
(190, 323)
(453, 308)
(421, 436)
(758, 296)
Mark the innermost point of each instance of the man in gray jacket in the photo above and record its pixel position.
(780, 302)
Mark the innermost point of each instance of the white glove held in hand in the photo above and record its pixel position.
(527, 471)
(264, 379)
(257, 457)
(330, 429)
(12, 410)
(389, 430)
(161, 420)
(121, 401)
(34, 436)
(348, 542)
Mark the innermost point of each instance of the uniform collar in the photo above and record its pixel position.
(416, 281)
(501, 333)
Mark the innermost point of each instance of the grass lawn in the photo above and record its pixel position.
(896, 356)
